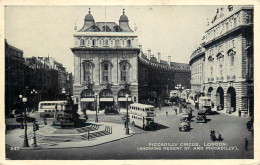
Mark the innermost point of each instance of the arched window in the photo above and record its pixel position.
(231, 61)
(211, 65)
(106, 43)
(129, 43)
(220, 62)
(227, 28)
(94, 43)
(117, 43)
(124, 72)
(82, 42)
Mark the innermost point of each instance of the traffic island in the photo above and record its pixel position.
(49, 137)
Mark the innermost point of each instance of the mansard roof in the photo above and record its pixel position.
(110, 27)
(180, 65)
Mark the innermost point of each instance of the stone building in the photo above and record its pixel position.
(197, 67)
(108, 63)
(105, 63)
(158, 77)
(14, 73)
(228, 44)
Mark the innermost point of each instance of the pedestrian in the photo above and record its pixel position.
(175, 109)
(125, 123)
(167, 113)
(212, 131)
(45, 121)
(32, 142)
(246, 144)
(239, 113)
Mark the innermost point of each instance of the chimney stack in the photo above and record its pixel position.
(140, 47)
(159, 57)
(149, 53)
(169, 60)
(75, 27)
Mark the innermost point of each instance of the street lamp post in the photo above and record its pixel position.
(96, 107)
(34, 93)
(63, 91)
(25, 143)
(180, 88)
(21, 102)
(127, 126)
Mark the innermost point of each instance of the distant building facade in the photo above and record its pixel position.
(197, 67)
(38, 74)
(228, 43)
(14, 73)
(158, 77)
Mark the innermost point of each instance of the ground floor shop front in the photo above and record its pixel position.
(102, 96)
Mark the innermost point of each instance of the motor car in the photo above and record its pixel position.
(185, 117)
(167, 103)
(250, 124)
(201, 118)
(215, 136)
(184, 126)
(20, 119)
(111, 110)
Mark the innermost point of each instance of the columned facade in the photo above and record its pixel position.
(105, 64)
(228, 75)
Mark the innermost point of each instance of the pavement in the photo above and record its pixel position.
(232, 128)
(49, 137)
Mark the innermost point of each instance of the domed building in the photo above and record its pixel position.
(105, 60)
(108, 64)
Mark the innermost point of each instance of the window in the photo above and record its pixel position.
(82, 42)
(227, 28)
(124, 71)
(106, 71)
(94, 42)
(129, 43)
(106, 43)
(117, 43)
(220, 62)
(87, 72)
(233, 44)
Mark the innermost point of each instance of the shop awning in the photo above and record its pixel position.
(107, 99)
(87, 99)
(124, 99)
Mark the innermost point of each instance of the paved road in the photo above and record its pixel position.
(232, 129)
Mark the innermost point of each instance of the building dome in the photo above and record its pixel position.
(123, 17)
(89, 17)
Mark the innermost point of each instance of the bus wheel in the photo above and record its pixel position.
(133, 124)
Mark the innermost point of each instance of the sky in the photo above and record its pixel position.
(48, 30)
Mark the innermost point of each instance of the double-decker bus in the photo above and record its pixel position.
(142, 115)
(48, 108)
